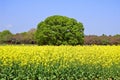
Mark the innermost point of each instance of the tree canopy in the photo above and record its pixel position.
(59, 30)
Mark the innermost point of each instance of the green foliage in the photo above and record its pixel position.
(24, 37)
(5, 36)
(59, 30)
(54, 71)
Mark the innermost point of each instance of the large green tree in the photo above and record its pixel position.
(59, 30)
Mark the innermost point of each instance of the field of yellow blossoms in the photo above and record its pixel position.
(23, 62)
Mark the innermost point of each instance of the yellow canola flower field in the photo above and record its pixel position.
(93, 55)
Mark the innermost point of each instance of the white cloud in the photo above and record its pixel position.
(9, 26)
(6, 26)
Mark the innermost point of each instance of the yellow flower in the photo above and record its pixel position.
(103, 55)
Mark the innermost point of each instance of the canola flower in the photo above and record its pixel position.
(105, 56)
(23, 62)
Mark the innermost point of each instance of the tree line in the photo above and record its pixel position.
(102, 40)
(6, 37)
(58, 30)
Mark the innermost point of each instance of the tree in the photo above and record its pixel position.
(59, 30)
(24, 37)
(31, 33)
(30, 36)
(5, 36)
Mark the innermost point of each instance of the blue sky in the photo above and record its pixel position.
(98, 16)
